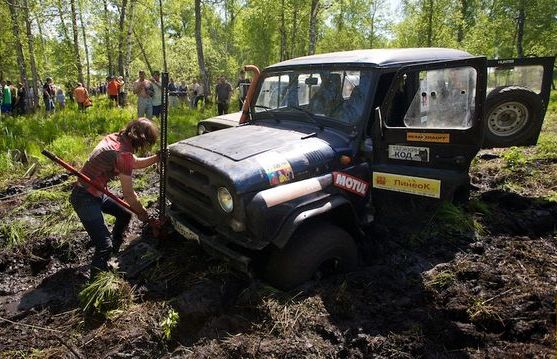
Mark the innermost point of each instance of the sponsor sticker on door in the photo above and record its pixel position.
(420, 186)
(409, 153)
(428, 137)
(350, 183)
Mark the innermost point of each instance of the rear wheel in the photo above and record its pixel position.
(512, 116)
(314, 251)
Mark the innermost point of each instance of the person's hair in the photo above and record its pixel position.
(9, 82)
(142, 133)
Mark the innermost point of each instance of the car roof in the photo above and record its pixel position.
(378, 57)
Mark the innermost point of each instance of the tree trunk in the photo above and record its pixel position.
(121, 37)
(33, 102)
(62, 23)
(142, 49)
(107, 44)
(293, 36)
(87, 62)
(165, 67)
(129, 42)
(463, 16)
(282, 33)
(430, 24)
(374, 7)
(520, 32)
(313, 26)
(19, 47)
(43, 42)
(199, 45)
(76, 43)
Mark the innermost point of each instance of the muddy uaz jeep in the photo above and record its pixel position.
(333, 142)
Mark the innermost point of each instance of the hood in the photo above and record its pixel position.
(243, 142)
(255, 157)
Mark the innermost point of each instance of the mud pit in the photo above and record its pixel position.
(463, 296)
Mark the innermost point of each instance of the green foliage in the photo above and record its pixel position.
(514, 158)
(442, 279)
(169, 323)
(13, 234)
(107, 295)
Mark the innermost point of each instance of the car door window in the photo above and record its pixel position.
(440, 98)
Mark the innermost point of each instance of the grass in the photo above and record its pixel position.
(108, 295)
(442, 279)
(13, 234)
(169, 323)
(72, 135)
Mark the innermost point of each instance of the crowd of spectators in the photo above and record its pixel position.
(15, 98)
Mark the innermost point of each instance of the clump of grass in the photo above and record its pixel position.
(480, 310)
(514, 158)
(442, 280)
(169, 323)
(285, 319)
(40, 195)
(107, 295)
(13, 234)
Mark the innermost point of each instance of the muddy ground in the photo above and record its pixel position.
(440, 294)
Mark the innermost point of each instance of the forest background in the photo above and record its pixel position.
(87, 40)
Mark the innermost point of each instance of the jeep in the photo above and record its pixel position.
(329, 144)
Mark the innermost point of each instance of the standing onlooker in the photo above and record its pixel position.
(242, 86)
(81, 97)
(194, 92)
(60, 97)
(48, 95)
(122, 94)
(6, 98)
(21, 99)
(157, 93)
(172, 93)
(144, 91)
(13, 91)
(113, 88)
(183, 92)
(223, 93)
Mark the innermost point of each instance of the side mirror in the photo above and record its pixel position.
(379, 119)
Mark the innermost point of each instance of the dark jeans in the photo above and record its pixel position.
(222, 108)
(89, 210)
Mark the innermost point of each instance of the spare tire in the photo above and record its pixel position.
(512, 117)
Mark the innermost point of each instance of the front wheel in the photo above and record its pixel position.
(314, 251)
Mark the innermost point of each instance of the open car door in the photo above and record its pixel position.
(427, 131)
(517, 98)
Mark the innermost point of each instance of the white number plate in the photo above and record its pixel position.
(185, 231)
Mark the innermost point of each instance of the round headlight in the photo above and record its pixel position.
(201, 129)
(225, 200)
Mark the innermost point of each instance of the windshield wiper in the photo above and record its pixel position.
(267, 110)
(309, 115)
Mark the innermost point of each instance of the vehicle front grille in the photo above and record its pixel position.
(192, 187)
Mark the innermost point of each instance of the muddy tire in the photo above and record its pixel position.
(314, 251)
(512, 117)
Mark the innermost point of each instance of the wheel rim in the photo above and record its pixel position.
(507, 119)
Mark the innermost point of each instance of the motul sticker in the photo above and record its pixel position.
(350, 183)
(420, 186)
(428, 137)
(409, 153)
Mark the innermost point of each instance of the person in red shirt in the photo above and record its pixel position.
(113, 157)
(113, 89)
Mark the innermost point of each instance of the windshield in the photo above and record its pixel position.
(331, 96)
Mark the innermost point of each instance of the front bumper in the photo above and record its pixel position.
(213, 243)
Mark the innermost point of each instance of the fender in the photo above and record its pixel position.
(307, 212)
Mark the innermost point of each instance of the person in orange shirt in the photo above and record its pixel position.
(81, 97)
(113, 88)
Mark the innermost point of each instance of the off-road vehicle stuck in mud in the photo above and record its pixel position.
(336, 142)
